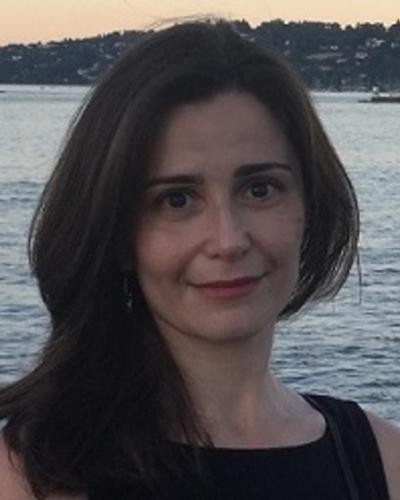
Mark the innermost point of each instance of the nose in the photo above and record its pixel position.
(228, 234)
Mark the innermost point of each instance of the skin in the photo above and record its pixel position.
(219, 227)
(224, 231)
(225, 201)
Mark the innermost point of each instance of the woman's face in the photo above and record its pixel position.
(218, 240)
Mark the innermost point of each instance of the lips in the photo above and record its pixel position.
(229, 283)
(230, 289)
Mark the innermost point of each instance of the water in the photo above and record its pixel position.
(349, 348)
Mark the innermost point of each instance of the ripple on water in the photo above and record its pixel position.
(350, 347)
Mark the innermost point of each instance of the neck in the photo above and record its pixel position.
(238, 399)
(227, 378)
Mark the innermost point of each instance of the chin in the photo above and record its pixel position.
(225, 330)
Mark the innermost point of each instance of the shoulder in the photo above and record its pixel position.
(388, 438)
(12, 482)
(13, 485)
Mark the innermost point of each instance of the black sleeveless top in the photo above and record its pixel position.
(344, 464)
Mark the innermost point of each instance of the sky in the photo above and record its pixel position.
(31, 21)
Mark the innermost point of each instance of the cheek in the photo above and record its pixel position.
(298, 225)
(284, 232)
(295, 222)
(157, 254)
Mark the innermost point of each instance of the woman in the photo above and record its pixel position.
(196, 203)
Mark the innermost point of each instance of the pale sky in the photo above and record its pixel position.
(24, 21)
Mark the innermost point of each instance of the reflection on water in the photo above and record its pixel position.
(345, 348)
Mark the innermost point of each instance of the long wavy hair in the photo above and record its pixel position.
(106, 391)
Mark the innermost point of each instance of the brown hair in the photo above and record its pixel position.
(106, 385)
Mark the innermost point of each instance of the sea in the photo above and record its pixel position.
(348, 347)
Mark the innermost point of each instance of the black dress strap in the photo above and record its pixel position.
(339, 448)
(355, 445)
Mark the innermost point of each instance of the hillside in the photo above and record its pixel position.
(327, 55)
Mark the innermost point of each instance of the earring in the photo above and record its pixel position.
(128, 288)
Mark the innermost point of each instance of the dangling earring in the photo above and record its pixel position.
(128, 288)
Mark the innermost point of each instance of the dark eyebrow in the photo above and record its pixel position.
(256, 168)
(175, 179)
(242, 171)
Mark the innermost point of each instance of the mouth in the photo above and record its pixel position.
(230, 289)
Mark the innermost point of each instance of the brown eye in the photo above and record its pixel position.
(261, 189)
(177, 199)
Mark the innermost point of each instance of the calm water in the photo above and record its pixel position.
(350, 347)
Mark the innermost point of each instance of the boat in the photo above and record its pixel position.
(385, 98)
(377, 97)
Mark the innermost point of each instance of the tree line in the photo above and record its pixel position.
(328, 55)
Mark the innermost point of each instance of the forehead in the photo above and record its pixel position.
(232, 128)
